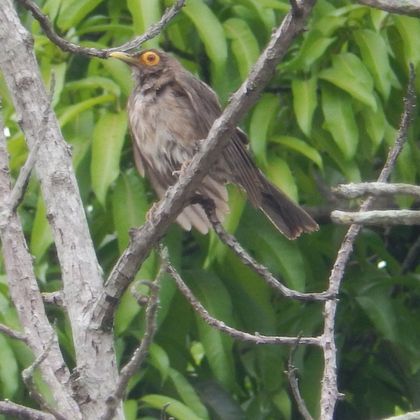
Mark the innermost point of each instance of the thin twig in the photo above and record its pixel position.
(28, 374)
(329, 391)
(18, 411)
(4, 329)
(377, 189)
(68, 46)
(377, 217)
(140, 353)
(22, 180)
(294, 384)
(236, 247)
(221, 326)
(412, 257)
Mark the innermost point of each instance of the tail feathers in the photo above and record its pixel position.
(289, 218)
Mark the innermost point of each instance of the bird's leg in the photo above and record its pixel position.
(182, 169)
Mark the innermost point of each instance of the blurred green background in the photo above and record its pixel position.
(328, 116)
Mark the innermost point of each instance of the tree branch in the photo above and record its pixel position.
(221, 326)
(4, 329)
(377, 217)
(68, 46)
(403, 7)
(142, 350)
(81, 274)
(236, 247)
(145, 238)
(377, 189)
(329, 391)
(21, 412)
(26, 297)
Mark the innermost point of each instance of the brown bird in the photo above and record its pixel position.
(170, 111)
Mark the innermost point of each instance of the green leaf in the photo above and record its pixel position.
(263, 12)
(160, 360)
(244, 44)
(94, 82)
(145, 13)
(304, 102)
(409, 30)
(171, 406)
(107, 143)
(121, 74)
(130, 409)
(41, 236)
(313, 48)
(280, 174)
(9, 374)
(73, 11)
(188, 394)
(350, 74)
(299, 146)
(212, 293)
(340, 120)
(375, 56)
(73, 111)
(211, 34)
(129, 206)
(375, 125)
(263, 116)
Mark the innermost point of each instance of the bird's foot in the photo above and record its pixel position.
(182, 169)
(151, 212)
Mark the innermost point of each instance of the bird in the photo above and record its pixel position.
(170, 112)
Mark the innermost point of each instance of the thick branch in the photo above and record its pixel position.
(403, 7)
(377, 217)
(81, 273)
(329, 392)
(68, 46)
(148, 236)
(26, 295)
(221, 326)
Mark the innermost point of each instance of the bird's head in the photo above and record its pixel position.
(146, 63)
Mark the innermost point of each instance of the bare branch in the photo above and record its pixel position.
(403, 7)
(145, 238)
(21, 183)
(377, 217)
(68, 46)
(221, 326)
(329, 391)
(25, 293)
(141, 351)
(260, 269)
(4, 329)
(19, 411)
(27, 376)
(377, 189)
(294, 385)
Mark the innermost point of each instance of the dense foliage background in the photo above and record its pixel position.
(328, 117)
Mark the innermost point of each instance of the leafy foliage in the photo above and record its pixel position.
(328, 116)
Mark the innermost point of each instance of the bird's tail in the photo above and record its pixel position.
(289, 218)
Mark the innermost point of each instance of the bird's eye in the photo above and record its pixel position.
(149, 58)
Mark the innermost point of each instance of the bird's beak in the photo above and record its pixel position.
(127, 58)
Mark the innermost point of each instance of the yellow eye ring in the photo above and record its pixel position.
(149, 58)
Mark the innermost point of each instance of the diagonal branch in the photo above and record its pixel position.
(221, 326)
(236, 247)
(403, 7)
(68, 46)
(329, 391)
(140, 353)
(145, 238)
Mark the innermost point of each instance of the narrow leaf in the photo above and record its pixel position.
(304, 102)
(107, 142)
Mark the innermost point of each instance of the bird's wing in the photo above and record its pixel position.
(207, 108)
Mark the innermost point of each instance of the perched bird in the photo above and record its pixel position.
(170, 111)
